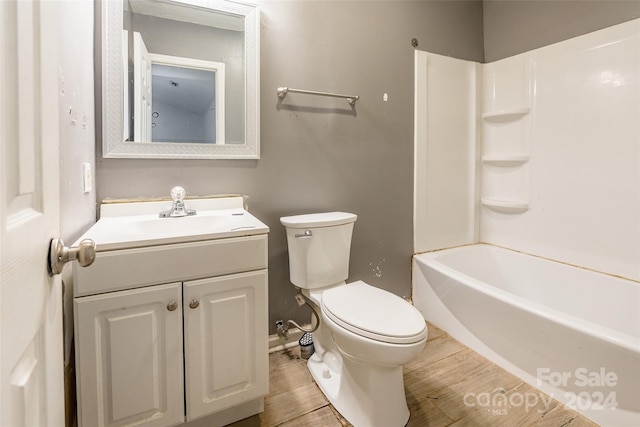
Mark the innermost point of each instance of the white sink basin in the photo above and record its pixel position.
(180, 225)
(132, 227)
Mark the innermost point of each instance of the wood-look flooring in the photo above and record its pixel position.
(436, 384)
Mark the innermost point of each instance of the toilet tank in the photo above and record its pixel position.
(319, 248)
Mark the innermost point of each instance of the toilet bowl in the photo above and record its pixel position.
(365, 334)
(370, 325)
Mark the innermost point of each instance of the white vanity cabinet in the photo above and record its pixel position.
(172, 333)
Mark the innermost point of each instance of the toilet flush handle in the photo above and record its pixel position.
(307, 233)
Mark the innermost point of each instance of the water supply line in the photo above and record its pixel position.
(282, 329)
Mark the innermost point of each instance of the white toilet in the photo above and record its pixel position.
(365, 334)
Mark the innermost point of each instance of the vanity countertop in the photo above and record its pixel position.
(137, 224)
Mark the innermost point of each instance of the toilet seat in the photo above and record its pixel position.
(374, 313)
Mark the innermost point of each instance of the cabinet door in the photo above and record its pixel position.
(129, 357)
(226, 346)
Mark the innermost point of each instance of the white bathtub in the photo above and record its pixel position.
(570, 332)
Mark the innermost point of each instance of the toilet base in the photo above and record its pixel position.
(365, 395)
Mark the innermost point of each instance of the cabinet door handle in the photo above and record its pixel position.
(194, 303)
(172, 306)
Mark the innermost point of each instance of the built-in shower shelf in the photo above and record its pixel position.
(505, 205)
(504, 116)
(505, 160)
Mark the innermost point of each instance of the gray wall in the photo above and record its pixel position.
(77, 127)
(516, 26)
(317, 153)
(77, 146)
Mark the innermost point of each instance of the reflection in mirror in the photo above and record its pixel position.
(208, 40)
(183, 101)
(187, 86)
(187, 99)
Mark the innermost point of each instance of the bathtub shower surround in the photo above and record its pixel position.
(543, 157)
(445, 160)
(574, 157)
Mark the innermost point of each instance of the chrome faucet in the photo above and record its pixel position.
(177, 209)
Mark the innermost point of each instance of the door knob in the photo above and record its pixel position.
(59, 254)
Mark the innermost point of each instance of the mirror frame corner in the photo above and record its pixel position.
(113, 144)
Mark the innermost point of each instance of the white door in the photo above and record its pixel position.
(142, 90)
(31, 357)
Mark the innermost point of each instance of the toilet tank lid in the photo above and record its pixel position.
(326, 219)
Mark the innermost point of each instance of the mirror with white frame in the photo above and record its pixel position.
(180, 79)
